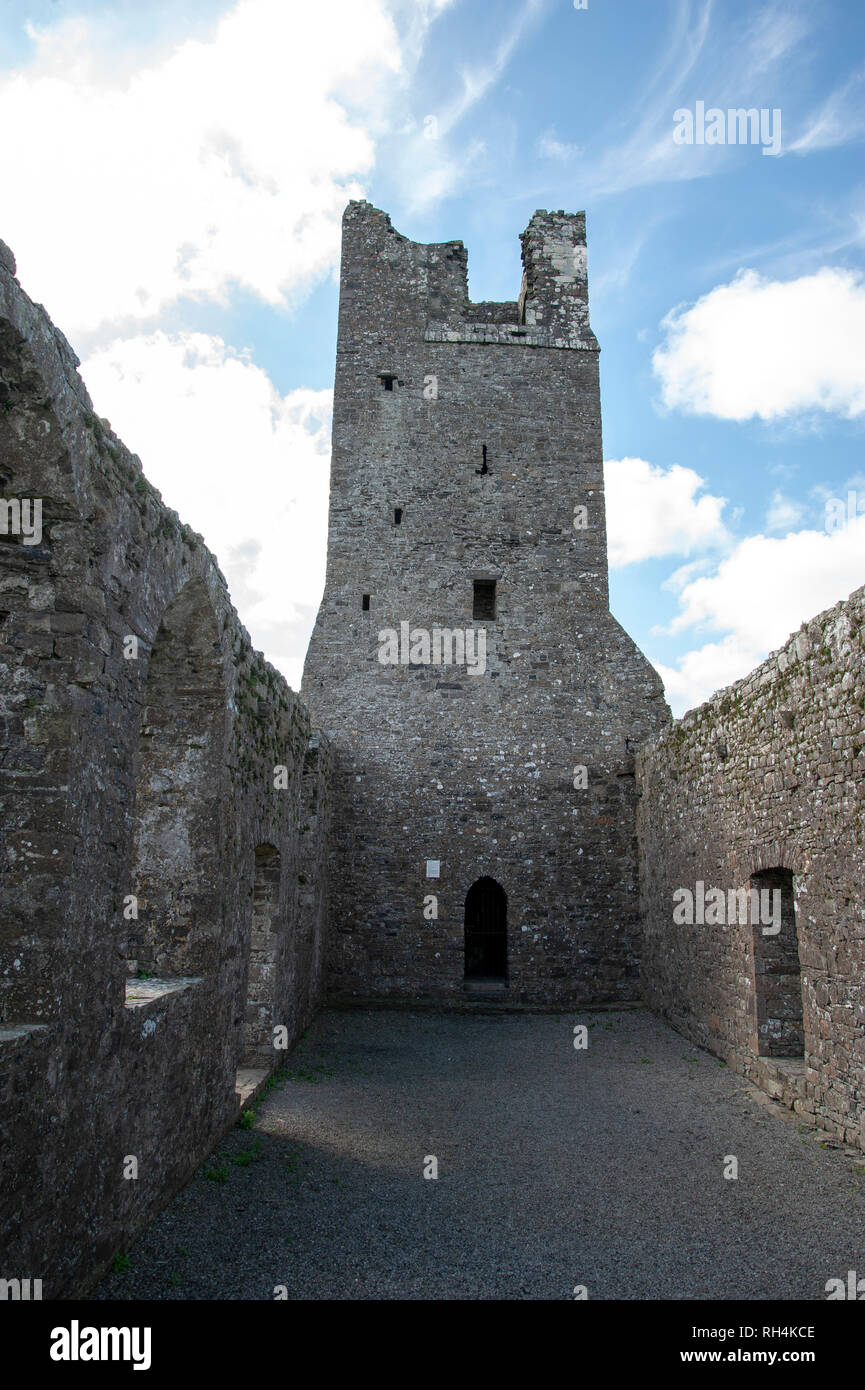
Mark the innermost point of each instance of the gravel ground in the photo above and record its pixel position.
(556, 1168)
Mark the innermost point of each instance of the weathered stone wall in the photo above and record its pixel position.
(123, 775)
(768, 775)
(464, 437)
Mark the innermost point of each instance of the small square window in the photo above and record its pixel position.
(365, 603)
(387, 380)
(484, 598)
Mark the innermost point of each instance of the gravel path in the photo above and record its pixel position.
(556, 1168)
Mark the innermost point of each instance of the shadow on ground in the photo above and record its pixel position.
(602, 1167)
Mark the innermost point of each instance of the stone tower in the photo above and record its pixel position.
(484, 702)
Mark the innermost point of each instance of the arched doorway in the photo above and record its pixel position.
(486, 931)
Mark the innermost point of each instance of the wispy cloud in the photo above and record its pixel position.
(479, 78)
(730, 69)
(839, 121)
(833, 228)
(431, 161)
(549, 146)
(784, 513)
(619, 258)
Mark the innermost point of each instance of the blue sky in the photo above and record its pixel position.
(173, 195)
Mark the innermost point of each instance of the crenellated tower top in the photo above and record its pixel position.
(428, 283)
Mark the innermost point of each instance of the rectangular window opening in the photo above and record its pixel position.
(387, 380)
(397, 516)
(484, 605)
(365, 603)
(777, 964)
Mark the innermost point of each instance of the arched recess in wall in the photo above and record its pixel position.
(261, 974)
(777, 967)
(177, 851)
(486, 931)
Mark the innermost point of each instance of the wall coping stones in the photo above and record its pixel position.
(140, 993)
(508, 335)
(20, 1032)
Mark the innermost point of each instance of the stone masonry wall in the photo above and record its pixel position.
(129, 777)
(768, 775)
(464, 437)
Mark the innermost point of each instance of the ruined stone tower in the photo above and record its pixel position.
(483, 701)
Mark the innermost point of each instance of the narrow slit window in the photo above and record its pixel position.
(365, 603)
(397, 516)
(777, 965)
(484, 605)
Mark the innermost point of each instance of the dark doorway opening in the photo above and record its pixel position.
(486, 931)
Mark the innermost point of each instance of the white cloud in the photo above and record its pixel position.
(756, 598)
(701, 672)
(549, 146)
(224, 162)
(243, 465)
(654, 511)
(768, 348)
(783, 512)
(768, 585)
(196, 167)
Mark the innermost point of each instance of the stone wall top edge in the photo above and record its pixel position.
(359, 211)
(774, 665)
(50, 351)
(358, 208)
(56, 365)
